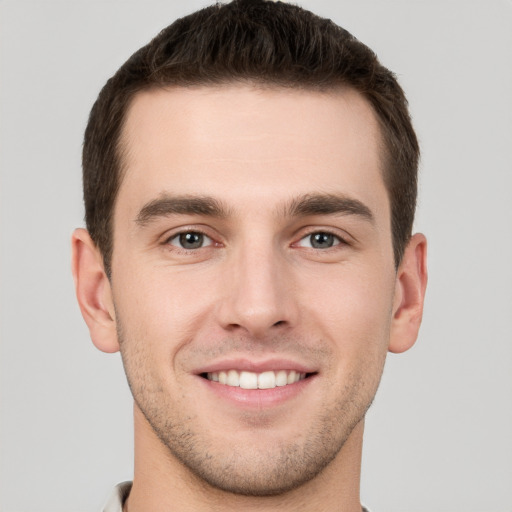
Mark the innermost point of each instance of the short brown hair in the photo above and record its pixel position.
(263, 42)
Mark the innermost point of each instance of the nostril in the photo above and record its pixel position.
(280, 322)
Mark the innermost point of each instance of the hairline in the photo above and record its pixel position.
(122, 149)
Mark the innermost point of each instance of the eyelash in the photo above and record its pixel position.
(177, 236)
(339, 240)
(180, 234)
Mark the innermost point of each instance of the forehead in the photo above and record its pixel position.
(246, 144)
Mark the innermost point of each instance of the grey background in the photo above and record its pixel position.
(439, 436)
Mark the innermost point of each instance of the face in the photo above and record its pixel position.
(252, 277)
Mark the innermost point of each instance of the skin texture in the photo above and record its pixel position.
(256, 292)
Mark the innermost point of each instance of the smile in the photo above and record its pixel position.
(251, 380)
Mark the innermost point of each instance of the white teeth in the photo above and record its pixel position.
(248, 380)
(281, 378)
(267, 380)
(251, 380)
(233, 378)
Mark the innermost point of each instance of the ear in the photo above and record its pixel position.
(411, 282)
(93, 291)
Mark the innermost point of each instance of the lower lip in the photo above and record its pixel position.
(259, 397)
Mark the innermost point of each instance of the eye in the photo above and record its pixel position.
(190, 240)
(320, 240)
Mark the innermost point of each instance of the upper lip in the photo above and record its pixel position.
(248, 365)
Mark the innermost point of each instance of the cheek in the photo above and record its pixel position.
(162, 308)
(357, 319)
(354, 309)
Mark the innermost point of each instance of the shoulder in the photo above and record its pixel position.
(116, 499)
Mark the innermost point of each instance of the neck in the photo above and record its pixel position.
(162, 484)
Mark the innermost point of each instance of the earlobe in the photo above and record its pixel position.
(93, 291)
(411, 282)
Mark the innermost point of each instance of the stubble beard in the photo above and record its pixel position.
(241, 469)
(250, 471)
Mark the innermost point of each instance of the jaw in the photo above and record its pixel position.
(157, 468)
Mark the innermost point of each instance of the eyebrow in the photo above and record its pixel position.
(328, 204)
(180, 205)
(302, 206)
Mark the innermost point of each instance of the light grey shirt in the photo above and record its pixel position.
(120, 493)
(116, 499)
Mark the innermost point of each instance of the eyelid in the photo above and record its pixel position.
(176, 232)
(342, 237)
(336, 242)
(207, 241)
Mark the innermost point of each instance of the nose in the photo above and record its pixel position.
(258, 296)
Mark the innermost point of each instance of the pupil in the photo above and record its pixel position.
(191, 240)
(322, 240)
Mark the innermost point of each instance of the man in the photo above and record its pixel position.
(250, 186)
